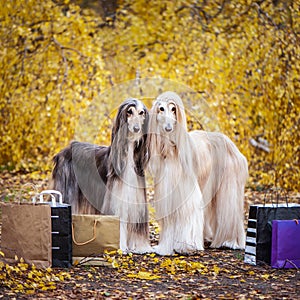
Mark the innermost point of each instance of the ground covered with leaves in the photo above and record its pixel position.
(209, 274)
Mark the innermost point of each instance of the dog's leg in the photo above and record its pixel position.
(210, 220)
(166, 241)
(138, 239)
(230, 231)
(189, 234)
(123, 237)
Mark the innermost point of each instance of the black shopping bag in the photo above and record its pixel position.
(61, 220)
(259, 231)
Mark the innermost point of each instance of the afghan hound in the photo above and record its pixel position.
(110, 179)
(177, 195)
(221, 169)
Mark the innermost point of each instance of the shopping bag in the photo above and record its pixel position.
(26, 233)
(93, 234)
(259, 231)
(61, 224)
(285, 251)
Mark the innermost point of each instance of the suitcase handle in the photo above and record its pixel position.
(51, 193)
(53, 200)
(86, 242)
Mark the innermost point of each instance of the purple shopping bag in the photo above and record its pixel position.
(285, 251)
(259, 231)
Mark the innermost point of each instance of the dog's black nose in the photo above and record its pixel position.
(168, 128)
(136, 128)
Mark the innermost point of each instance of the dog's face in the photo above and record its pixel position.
(136, 115)
(131, 121)
(166, 115)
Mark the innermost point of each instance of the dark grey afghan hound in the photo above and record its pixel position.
(110, 179)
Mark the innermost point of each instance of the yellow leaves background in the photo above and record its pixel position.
(240, 57)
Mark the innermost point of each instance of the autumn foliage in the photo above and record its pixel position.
(236, 65)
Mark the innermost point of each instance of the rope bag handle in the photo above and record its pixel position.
(86, 242)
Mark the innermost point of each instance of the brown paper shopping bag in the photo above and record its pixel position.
(26, 233)
(92, 234)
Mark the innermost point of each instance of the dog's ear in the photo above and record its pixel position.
(120, 121)
(119, 141)
(180, 111)
(141, 153)
(146, 122)
(180, 115)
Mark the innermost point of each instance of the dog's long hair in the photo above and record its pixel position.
(222, 175)
(110, 179)
(222, 172)
(177, 196)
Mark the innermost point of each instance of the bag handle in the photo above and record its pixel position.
(275, 192)
(53, 200)
(24, 190)
(86, 242)
(51, 193)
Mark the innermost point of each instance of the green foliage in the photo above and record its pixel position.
(241, 57)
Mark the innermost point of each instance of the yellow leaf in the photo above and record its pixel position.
(216, 270)
(113, 252)
(115, 263)
(76, 262)
(147, 275)
(265, 276)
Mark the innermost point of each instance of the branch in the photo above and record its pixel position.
(62, 48)
(261, 12)
(59, 45)
(260, 143)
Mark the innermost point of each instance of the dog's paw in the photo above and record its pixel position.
(158, 249)
(142, 249)
(233, 245)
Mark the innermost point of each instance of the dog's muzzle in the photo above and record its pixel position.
(136, 128)
(168, 128)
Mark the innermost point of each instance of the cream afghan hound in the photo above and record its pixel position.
(221, 169)
(177, 196)
(110, 179)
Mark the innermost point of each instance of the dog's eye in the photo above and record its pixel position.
(129, 112)
(141, 113)
(161, 108)
(173, 109)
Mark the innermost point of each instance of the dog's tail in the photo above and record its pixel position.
(63, 177)
(76, 176)
(229, 205)
(223, 172)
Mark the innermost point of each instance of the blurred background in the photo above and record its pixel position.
(65, 66)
